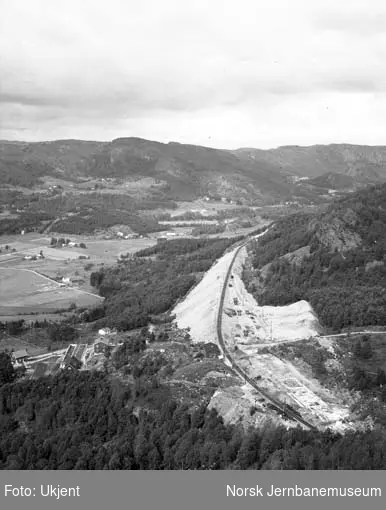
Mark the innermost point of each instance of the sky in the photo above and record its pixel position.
(219, 73)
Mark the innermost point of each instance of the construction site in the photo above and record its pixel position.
(246, 331)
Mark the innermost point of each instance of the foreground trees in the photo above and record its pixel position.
(89, 421)
(7, 372)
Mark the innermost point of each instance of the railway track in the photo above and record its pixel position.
(275, 404)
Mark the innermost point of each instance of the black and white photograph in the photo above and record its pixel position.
(192, 237)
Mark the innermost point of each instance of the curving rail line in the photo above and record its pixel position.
(275, 404)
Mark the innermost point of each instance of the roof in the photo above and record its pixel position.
(75, 362)
(101, 341)
(20, 354)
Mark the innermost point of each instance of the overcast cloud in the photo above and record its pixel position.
(220, 73)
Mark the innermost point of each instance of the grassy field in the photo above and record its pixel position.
(58, 263)
(18, 284)
(26, 286)
(25, 290)
(108, 251)
(9, 343)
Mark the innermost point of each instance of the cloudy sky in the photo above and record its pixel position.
(220, 73)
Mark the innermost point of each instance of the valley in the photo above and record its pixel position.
(256, 301)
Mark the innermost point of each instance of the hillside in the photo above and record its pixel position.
(362, 163)
(336, 260)
(23, 164)
(332, 180)
(176, 171)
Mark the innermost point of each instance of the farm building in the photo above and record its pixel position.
(73, 363)
(20, 357)
(102, 346)
(104, 331)
(72, 357)
(68, 355)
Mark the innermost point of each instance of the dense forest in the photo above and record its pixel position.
(83, 420)
(86, 223)
(29, 222)
(79, 213)
(151, 282)
(345, 284)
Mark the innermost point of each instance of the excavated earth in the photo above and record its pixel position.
(249, 330)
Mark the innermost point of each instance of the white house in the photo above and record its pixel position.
(19, 357)
(104, 331)
(107, 331)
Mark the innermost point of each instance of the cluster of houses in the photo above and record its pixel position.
(74, 355)
(19, 357)
(55, 188)
(70, 361)
(66, 281)
(122, 235)
(102, 344)
(34, 257)
(59, 243)
(168, 235)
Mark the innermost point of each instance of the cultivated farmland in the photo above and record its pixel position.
(24, 291)
(31, 284)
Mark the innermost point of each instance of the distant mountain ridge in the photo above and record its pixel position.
(187, 172)
(361, 162)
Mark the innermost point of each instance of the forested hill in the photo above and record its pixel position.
(185, 172)
(173, 170)
(336, 260)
